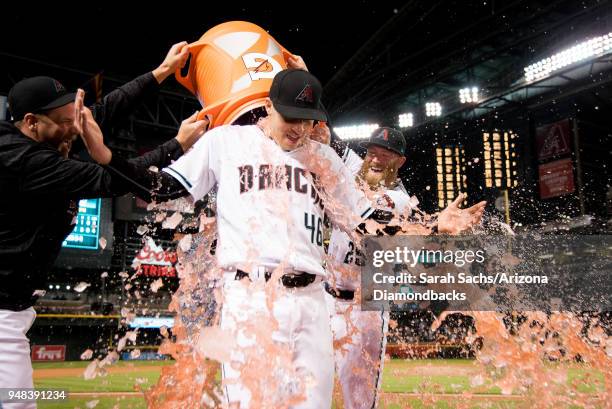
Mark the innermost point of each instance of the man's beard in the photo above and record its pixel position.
(386, 179)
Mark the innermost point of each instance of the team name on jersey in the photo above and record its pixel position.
(267, 177)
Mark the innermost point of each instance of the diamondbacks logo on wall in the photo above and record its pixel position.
(553, 139)
(306, 95)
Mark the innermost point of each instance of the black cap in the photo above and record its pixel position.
(387, 138)
(37, 94)
(296, 94)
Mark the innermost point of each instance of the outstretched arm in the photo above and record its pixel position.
(132, 176)
(454, 220)
(120, 103)
(176, 58)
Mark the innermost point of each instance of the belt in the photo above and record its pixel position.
(301, 279)
(341, 294)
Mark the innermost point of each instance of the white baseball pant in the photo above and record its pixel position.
(282, 359)
(360, 339)
(15, 361)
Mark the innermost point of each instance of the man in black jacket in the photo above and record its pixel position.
(40, 187)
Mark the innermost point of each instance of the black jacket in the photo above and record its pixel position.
(39, 190)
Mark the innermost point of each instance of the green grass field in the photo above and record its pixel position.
(403, 382)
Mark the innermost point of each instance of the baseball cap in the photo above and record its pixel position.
(37, 94)
(296, 94)
(388, 138)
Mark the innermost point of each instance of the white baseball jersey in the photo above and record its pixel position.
(269, 208)
(346, 257)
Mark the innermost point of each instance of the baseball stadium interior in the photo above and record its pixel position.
(508, 102)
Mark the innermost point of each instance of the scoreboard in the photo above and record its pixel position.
(86, 233)
(90, 244)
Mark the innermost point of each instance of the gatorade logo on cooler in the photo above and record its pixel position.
(261, 66)
(231, 69)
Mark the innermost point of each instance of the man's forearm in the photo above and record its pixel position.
(161, 73)
(121, 102)
(161, 156)
(102, 155)
(148, 185)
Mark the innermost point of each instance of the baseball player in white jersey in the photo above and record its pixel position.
(360, 336)
(271, 184)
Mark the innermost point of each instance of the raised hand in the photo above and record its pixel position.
(93, 138)
(295, 61)
(321, 133)
(454, 220)
(191, 130)
(77, 124)
(175, 59)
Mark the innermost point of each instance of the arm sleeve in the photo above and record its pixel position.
(147, 185)
(161, 156)
(120, 103)
(198, 169)
(193, 173)
(45, 172)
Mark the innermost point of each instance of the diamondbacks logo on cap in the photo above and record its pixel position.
(306, 95)
(58, 86)
(383, 134)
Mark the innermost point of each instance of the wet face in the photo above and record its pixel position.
(380, 167)
(54, 127)
(289, 134)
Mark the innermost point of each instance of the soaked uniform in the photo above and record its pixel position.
(359, 336)
(270, 221)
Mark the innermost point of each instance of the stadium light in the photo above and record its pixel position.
(406, 120)
(433, 109)
(468, 95)
(594, 47)
(362, 131)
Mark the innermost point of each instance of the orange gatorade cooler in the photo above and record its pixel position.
(231, 70)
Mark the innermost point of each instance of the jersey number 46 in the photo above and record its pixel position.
(315, 225)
